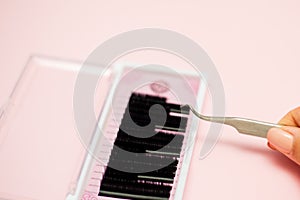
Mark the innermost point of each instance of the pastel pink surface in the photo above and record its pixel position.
(255, 47)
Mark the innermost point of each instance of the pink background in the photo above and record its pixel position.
(255, 46)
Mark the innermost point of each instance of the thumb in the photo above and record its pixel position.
(287, 141)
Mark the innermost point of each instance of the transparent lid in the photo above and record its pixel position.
(40, 151)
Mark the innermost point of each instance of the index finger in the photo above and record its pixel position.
(292, 118)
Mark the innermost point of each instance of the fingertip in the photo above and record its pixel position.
(271, 146)
(280, 140)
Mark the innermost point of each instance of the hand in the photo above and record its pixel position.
(287, 139)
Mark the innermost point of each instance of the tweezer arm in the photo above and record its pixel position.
(250, 127)
(242, 125)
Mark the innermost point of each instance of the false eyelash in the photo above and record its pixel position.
(156, 184)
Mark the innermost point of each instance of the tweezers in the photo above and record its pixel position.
(242, 125)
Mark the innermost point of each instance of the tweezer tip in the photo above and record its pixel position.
(186, 106)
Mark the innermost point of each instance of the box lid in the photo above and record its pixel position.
(40, 151)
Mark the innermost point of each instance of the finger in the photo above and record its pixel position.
(271, 146)
(286, 141)
(291, 129)
(292, 118)
(295, 153)
(281, 140)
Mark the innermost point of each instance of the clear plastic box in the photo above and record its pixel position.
(42, 156)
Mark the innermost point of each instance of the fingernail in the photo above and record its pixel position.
(281, 140)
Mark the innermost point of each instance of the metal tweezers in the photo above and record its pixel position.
(242, 125)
